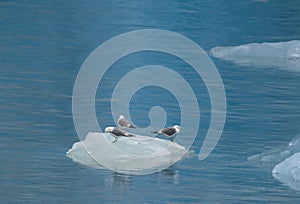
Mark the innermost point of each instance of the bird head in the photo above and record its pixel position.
(177, 128)
(121, 117)
(109, 129)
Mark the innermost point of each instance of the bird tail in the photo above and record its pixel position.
(130, 135)
(155, 132)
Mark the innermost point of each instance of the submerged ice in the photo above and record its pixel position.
(284, 55)
(285, 162)
(277, 155)
(134, 155)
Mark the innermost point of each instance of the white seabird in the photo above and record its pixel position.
(116, 133)
(169, 131)
(124, 123)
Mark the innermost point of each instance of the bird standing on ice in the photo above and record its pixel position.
(169, 131)
(123, 123)
(116, 133)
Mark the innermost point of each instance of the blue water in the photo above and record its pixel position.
(42, 46)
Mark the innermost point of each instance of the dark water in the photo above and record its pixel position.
(42, 46)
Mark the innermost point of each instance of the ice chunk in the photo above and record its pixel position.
(288, 171)
(277, 155)
(285, 162)
(79, 154)
(270, 158)
(284, 55)
(134, 155)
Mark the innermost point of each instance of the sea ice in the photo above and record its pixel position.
(134, 155)
(277, 155)
(283, 55)
(288, 171)
(284, 161)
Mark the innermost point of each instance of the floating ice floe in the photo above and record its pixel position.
(288, 171)
(283, 55)
(277, 155)
(285, 162)
(134, 155)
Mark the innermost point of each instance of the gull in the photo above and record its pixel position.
(169, 131)
(124, 123)
(116, 133)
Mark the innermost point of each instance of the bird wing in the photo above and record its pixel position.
(123, 122)
(118, 132)
(169, 131)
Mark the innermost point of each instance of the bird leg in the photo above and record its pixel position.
(116, 138)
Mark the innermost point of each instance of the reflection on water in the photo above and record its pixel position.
(122, 181)
(172, 174)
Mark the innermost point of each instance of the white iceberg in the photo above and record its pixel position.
(288, 171)
(285, 163)
(79, 154)
(283, 55)
(134, 155)
(274, 156)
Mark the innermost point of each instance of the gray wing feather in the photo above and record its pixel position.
(123, 122)
(118, 132)
(168, 131)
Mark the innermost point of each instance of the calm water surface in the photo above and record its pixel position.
(42, 46)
